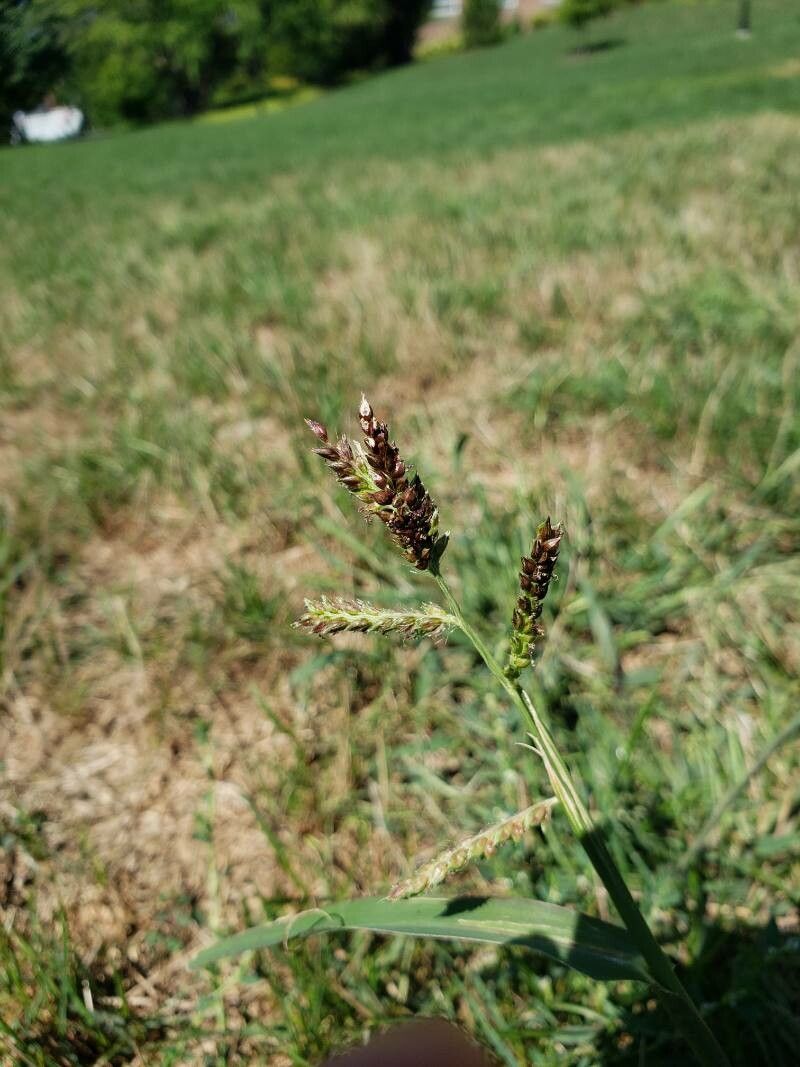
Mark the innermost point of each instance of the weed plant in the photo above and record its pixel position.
(376, 474)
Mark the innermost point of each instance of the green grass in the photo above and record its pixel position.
(571, 285)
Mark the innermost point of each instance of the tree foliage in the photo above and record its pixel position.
(578, 13)
(480, 22)
(141, 60)
(32, 58)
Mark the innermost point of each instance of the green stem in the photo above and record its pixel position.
(676, 999)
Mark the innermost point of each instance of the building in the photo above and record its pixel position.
(451, 9)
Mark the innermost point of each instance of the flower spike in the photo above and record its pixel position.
(333, 615)
(534, 581)
(480, 846)
(380, 478)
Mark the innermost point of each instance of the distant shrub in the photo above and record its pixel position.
(481, 23)
(513, 28)
(445, 46)
(323, 42)
(544, 18)
(577, 13)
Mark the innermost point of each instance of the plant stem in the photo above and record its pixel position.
(676, 999)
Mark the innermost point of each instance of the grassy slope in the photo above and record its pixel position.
(572, 283)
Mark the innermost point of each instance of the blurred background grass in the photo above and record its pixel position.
(571, 284)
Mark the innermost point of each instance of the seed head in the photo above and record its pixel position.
(333, 615)
(480, 846)
(381, 479)
(534, 581)
(402, 503)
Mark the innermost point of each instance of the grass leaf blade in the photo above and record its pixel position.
(588, 945)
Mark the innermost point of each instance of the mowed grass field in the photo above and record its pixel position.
(572, 285)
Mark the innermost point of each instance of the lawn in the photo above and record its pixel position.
(572, 284)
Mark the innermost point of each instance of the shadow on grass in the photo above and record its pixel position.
(744, 979)
(591, 48)
(746, 982)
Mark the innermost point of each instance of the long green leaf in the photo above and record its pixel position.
(595, 948)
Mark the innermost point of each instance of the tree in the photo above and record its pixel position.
(480, 22)
(32, 59)
(142, 60)
(402, 21)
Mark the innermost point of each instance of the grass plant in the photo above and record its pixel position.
(381, 480)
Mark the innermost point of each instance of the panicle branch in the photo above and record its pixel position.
(346, 461)
(473, 848)
(534, 581)
(336, 614)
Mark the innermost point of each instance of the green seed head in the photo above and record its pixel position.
(534, 581)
